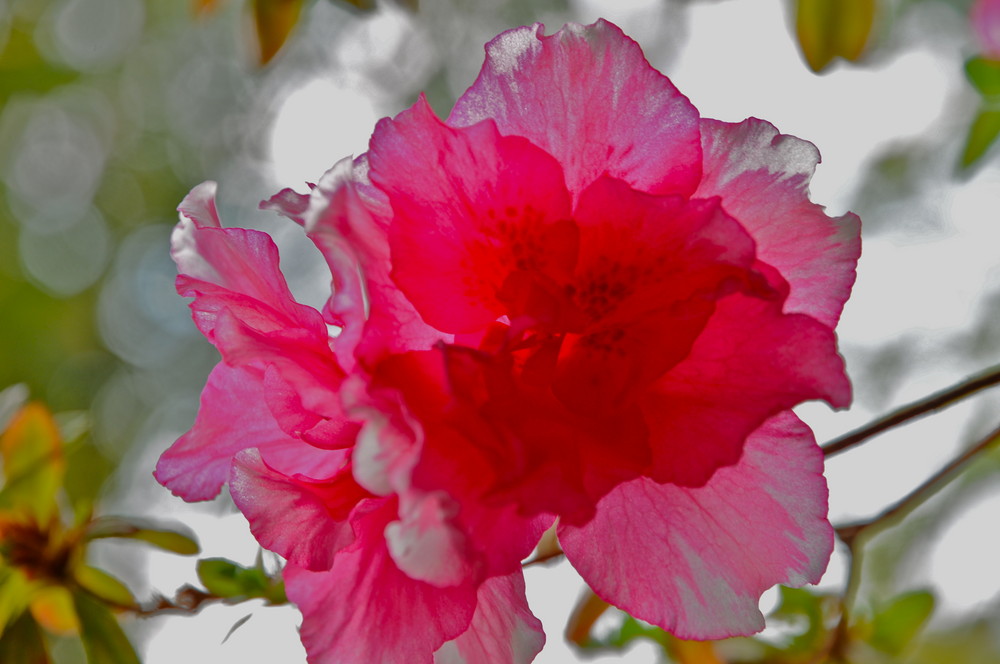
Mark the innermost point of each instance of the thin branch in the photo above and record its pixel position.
(924, 406)
(849, 532)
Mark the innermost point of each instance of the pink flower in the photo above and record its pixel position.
(985, 19)
(573, 298)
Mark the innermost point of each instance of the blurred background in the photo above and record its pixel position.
(111, 110)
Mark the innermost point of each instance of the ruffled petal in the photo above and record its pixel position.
(364, 609)
(305, 520)
(695, 561)
(763, 179)
(503, 629)
(480, 227)
(749, 363)
(587, 96)
(348, 220)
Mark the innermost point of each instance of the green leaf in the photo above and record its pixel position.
(130, 528)
(103, 586)
(23, 643)
(982, 134)
(14, 590)
(984, 75)
(827, 29)
(274, 21)
(102, 636)
(225, 578)
(799, 606)
(897, 625)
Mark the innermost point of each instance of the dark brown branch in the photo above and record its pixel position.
(924, 406)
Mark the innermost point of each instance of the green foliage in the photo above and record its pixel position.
(102, 636)
(828, 29)
(22, 643)
(984, 74)
(225, 578)
(168, 539)
(896, 626)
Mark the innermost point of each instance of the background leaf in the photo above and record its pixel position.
(23, 643)
(982, 135)
(104, 586)
(827, 29)
(33, 462)
(128, 528)
(896, 626)
(228, 579)
(274, 21)
(102, 636)
(984, 75)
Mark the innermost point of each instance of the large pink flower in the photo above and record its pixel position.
(572, 299)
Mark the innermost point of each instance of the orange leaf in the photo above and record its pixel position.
(33, 460)
(52, 608)
(274, 21)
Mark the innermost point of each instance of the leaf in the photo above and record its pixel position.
(52, 608)
(33, 462)
(128, 528)
(103, 586)
(827, 29)
(11, 400)
(274, 21)
(982, 135)
(202, 7)
(102, 636)
(984, 75)
(896, 626)
(23, 643)
(236, 625)
(14, 588)
(225, 578)
(799, 606)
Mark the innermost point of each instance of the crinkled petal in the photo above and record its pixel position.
(695, 561)
(351, 230)
(503, 629)
(749, 363)
(587, 96)
(364, 609)
(480, 226)
(303, 519)
(763, 179)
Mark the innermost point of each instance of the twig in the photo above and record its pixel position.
(932, 485)
(924, 406)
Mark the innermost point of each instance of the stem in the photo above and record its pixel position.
(931, 486)
(936, 401)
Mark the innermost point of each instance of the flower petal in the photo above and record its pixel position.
(587, 96)
(364, 609)
(503, 629)
(696, 560)
(480, 224)
(763, 179)
(749, 363)
(305, 520)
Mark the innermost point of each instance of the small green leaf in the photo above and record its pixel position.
(827, 29)
(274, 21)
(982, 134)
(23, 643)
(103, 586)
(102, 636)
(795, 605)
(228, 579)
(129, 528)
(897, 625)
(14, 590)
(984, 75)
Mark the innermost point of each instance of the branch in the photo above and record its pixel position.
(924, 406)
(849, 532)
